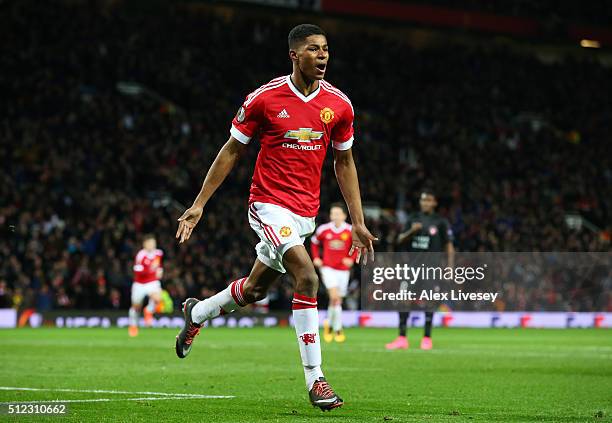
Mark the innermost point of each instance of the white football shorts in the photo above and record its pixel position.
(334, 278)
(278, 229)
(141, 290)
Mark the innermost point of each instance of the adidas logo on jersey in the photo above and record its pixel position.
(283, 114)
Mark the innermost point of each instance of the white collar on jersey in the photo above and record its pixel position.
(336, 230)
(299, 94)
(151, 254)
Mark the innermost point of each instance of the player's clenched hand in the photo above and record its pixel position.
(362, 243)
(187, 222)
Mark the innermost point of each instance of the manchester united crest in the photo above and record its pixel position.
(285, 231)
(327, 115)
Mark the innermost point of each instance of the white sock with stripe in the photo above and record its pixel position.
(223, 302)
(306, 321)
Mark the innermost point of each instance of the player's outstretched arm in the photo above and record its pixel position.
(221, 167)
(346, 173)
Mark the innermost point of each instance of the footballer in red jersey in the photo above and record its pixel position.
(294, 133)
(334, 266)
(296, 118)
(148, 272)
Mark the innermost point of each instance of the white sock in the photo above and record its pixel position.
(337, 324)
(151, 306)
(312, 374)
(330, 315)
(306, 321)
(223, 302)
(133, 317)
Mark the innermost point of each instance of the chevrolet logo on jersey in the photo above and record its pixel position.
(304, 135)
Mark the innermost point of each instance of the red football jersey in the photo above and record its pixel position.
(294, 132)
(146, 265)
(336, 244)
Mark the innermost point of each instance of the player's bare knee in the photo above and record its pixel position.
(307, 283)
(336, 301)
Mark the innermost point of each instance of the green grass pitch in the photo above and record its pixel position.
(488, 375)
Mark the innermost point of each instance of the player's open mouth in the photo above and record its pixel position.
(321, 67)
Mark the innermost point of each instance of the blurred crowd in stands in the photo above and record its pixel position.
(511, 145)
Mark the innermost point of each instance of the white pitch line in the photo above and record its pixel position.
(104, 391)
(101, 400)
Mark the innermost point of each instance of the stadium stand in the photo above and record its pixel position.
(87, 170)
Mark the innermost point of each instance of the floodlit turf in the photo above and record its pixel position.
(491, 375)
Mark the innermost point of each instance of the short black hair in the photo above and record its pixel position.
(341, 206)
(147, 237)
(301, 32)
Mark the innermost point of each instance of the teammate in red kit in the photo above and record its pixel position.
(148, 272)
(296, 118)
(334, 267)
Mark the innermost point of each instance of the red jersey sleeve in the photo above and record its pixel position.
(159, 257)
(315, 244)
(342, 132)
(138, 266)
(247, 121)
